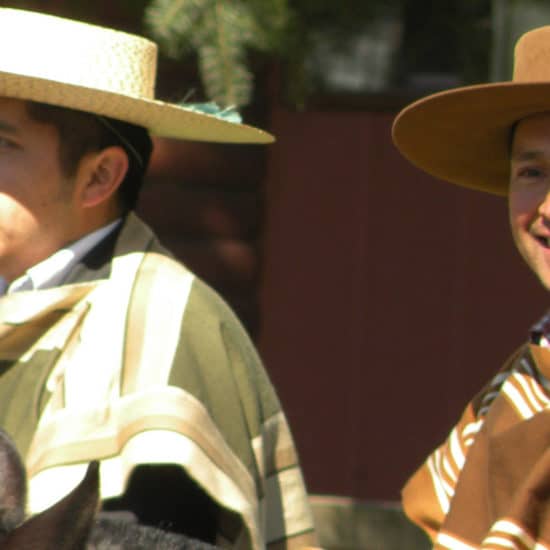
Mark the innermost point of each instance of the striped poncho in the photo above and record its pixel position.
(488, 485)
(145, 366)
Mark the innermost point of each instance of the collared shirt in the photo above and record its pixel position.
(51, 271)
(540, 331)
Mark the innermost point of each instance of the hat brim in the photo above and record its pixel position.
(463, 135)
(160, 118)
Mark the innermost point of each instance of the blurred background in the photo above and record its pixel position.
(380, 298)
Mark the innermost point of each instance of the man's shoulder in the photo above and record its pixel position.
(166, 289)
(173, 275)
(163, 277)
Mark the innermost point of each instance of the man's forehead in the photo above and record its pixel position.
(19, 115)
(534, 120)
(12, 108)
(18, 119)
(531, 136)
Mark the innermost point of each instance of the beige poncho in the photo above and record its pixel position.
(148, 366)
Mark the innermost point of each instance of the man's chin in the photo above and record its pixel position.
(544, 279)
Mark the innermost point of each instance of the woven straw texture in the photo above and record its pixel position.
(99, 70)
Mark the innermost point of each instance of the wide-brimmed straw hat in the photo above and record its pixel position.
(463, 135)
(99, 70)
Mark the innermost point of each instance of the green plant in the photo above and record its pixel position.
(220, 32)
(449, 37)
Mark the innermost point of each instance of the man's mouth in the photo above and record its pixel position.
(544, 241)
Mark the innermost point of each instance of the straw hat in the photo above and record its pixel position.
(463, 135)
(95, 69)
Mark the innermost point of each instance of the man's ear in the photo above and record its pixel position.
(100, 175)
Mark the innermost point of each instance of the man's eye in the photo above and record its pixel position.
(529, 172)
(6, 143)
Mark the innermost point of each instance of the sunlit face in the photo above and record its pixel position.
(37, 214)
(529, 196)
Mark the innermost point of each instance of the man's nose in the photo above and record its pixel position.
(544, 205)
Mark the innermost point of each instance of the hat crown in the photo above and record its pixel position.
(103, 71)
(532, 55)
(63, 50)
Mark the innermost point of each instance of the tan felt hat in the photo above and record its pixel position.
(99, 70)
(463, 135)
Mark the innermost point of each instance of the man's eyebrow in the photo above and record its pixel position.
(7, 127)
(526, 155)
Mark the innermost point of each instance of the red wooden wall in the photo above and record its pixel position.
(388, 299)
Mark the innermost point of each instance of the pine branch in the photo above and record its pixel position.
(220, 31)
(174, 24)
(228, 83)
(222, 58)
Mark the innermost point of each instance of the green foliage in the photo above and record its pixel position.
(436, 37)
(220, 32)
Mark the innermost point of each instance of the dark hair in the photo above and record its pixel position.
(81, 132)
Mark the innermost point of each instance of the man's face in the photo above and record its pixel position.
(529, 196)
(37, 214)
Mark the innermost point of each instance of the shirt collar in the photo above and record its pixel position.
(51, 271)
(540, 331)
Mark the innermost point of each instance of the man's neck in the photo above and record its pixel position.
(51, 271)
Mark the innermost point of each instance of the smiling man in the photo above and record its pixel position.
(529, 196)
(110, 349)
(488, 485)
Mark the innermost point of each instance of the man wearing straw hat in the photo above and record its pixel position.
(488, 485)
(109, 348)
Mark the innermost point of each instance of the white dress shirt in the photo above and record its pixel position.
(51, 271)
